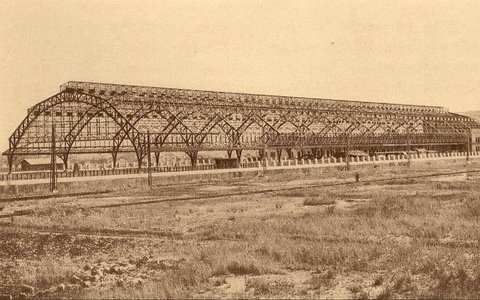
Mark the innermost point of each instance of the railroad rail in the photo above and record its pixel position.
(257, 192)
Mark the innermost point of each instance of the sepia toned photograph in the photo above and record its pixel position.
(240, 149)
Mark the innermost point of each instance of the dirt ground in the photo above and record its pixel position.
(308, 237)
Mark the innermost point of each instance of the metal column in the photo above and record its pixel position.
(53, 163)
(149, 161)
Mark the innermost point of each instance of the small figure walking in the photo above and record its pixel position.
(357, 177)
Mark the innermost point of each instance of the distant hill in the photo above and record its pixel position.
(475, 114)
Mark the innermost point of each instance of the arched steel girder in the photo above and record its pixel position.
(216, 120)
(174, 121)
(159, 139)
(233, 133)
(197, 138)
(248, 121)
(190, 137)
(75, 131)
(331, 131)
(355, 123)
(253, 117)
(270, 130)
(101, 104)
(362, 127)
(159, 108)
(442, 126)
(329, 122)
(301, 122)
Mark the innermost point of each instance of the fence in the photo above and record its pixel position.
(292, 163)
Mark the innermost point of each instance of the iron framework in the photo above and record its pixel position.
(110, 118)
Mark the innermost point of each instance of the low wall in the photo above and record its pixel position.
(338, 170)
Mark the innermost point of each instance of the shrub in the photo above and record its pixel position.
(237, 266)
(378, 280)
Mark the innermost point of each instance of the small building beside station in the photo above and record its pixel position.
(38, 164)
(226, 163)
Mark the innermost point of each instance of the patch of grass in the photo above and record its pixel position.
(237, 209)
(322, 279)
(239, 267)
(318, 200)
(171, 284)
(230, 259)
(385, 294)
(453, 185)
(470, 209)
(455, 280)
(399, 284)
(402, 283)
(243, 268)
(354, 288)
(48, 273)
(378, 280)
(330, 210)
(264, 288)
(362, 295)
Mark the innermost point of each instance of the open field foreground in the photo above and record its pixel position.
(399, 238)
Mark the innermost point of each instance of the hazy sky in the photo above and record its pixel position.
(414, 52)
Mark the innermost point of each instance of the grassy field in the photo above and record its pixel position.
(416, 238)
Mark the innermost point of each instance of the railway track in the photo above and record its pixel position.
(256, 192)
(275, 190)
(100, 193)
(50, 196)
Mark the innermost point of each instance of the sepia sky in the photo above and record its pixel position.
(413, 52)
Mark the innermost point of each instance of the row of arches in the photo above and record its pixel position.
(127, 127)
